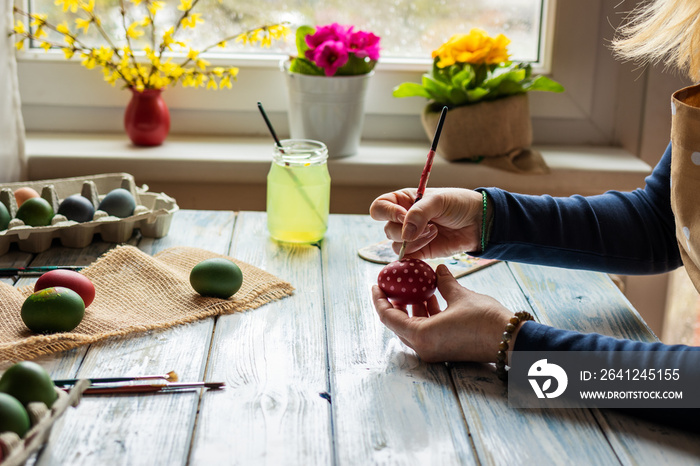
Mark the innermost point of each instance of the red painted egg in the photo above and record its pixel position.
(69, 279)
(408, 281)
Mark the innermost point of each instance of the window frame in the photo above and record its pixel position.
(575, 54)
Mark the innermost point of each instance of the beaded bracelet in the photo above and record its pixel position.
(501, 356)
(483, 223)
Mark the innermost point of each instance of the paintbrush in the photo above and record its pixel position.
(37, 270)
(426, 169)
(169, 377)
(150, 388)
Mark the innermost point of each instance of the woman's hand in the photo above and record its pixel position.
(445, 221)
(469, 329)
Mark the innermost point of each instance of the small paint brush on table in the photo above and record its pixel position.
(423, 183)
(169, 377)
(150, 388)
(37, 270)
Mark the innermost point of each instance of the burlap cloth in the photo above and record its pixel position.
(497, 133)
(135, 293)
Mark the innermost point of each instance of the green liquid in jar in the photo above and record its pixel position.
(298, 198)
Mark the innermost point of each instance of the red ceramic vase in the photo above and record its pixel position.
(147, 118)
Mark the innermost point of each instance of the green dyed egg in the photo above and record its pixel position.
(4, 217)
(51, 310)
(28, 382)
(35, 212)
(13, 416)
(217, 278)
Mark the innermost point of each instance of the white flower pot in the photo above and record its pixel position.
(327, 109)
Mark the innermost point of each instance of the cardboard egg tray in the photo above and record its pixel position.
(152, 215)
(15, 451)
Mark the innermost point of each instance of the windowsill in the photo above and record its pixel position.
(379, 166)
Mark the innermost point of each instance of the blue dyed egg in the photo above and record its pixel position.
(118, 203)
(77, 208)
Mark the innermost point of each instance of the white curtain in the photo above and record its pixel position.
(12, 156)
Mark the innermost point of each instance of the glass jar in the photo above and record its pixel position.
(298, 191)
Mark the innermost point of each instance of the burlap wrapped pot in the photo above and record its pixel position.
(497, 133)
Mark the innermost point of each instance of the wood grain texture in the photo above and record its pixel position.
(14, 258)
(558, 299)
(273, 360)
(315, 378)
(482, 398)
(151, 428)
(557, 296)
(534, 436)
(389, 407)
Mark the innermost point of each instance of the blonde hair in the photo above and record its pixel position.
(665, 31)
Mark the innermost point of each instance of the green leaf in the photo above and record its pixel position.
(440, 74)
(438, 91)
(457, 97)
(464, 84)
(528, 69)
(477, 94)
(356, 66)
(543, 83)
(506, 88)
(304, 66)
(500, 76)
(301, 34)
(463, 78)
(410, 90)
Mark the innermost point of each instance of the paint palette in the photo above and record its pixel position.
(459, 264)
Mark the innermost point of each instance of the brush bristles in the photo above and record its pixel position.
(172, 376)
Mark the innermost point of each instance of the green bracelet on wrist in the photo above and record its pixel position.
(483, 222)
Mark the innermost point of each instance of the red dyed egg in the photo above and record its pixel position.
(408, 281)
(69, 279)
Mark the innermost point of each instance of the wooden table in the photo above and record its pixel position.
(316, 379)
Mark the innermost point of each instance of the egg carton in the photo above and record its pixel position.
(152, 215)
(15, 451)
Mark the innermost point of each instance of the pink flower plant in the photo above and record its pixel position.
(335, 50)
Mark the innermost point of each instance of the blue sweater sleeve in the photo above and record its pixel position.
(616, 232)
(537, 337)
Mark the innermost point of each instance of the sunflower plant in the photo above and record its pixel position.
(121, 61)
(474, 67)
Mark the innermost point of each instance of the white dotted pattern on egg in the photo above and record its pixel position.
(392, 280)
(695, 157)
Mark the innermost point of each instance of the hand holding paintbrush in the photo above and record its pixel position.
(423, 183)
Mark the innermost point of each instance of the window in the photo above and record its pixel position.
(58, 95)
(409, 29)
